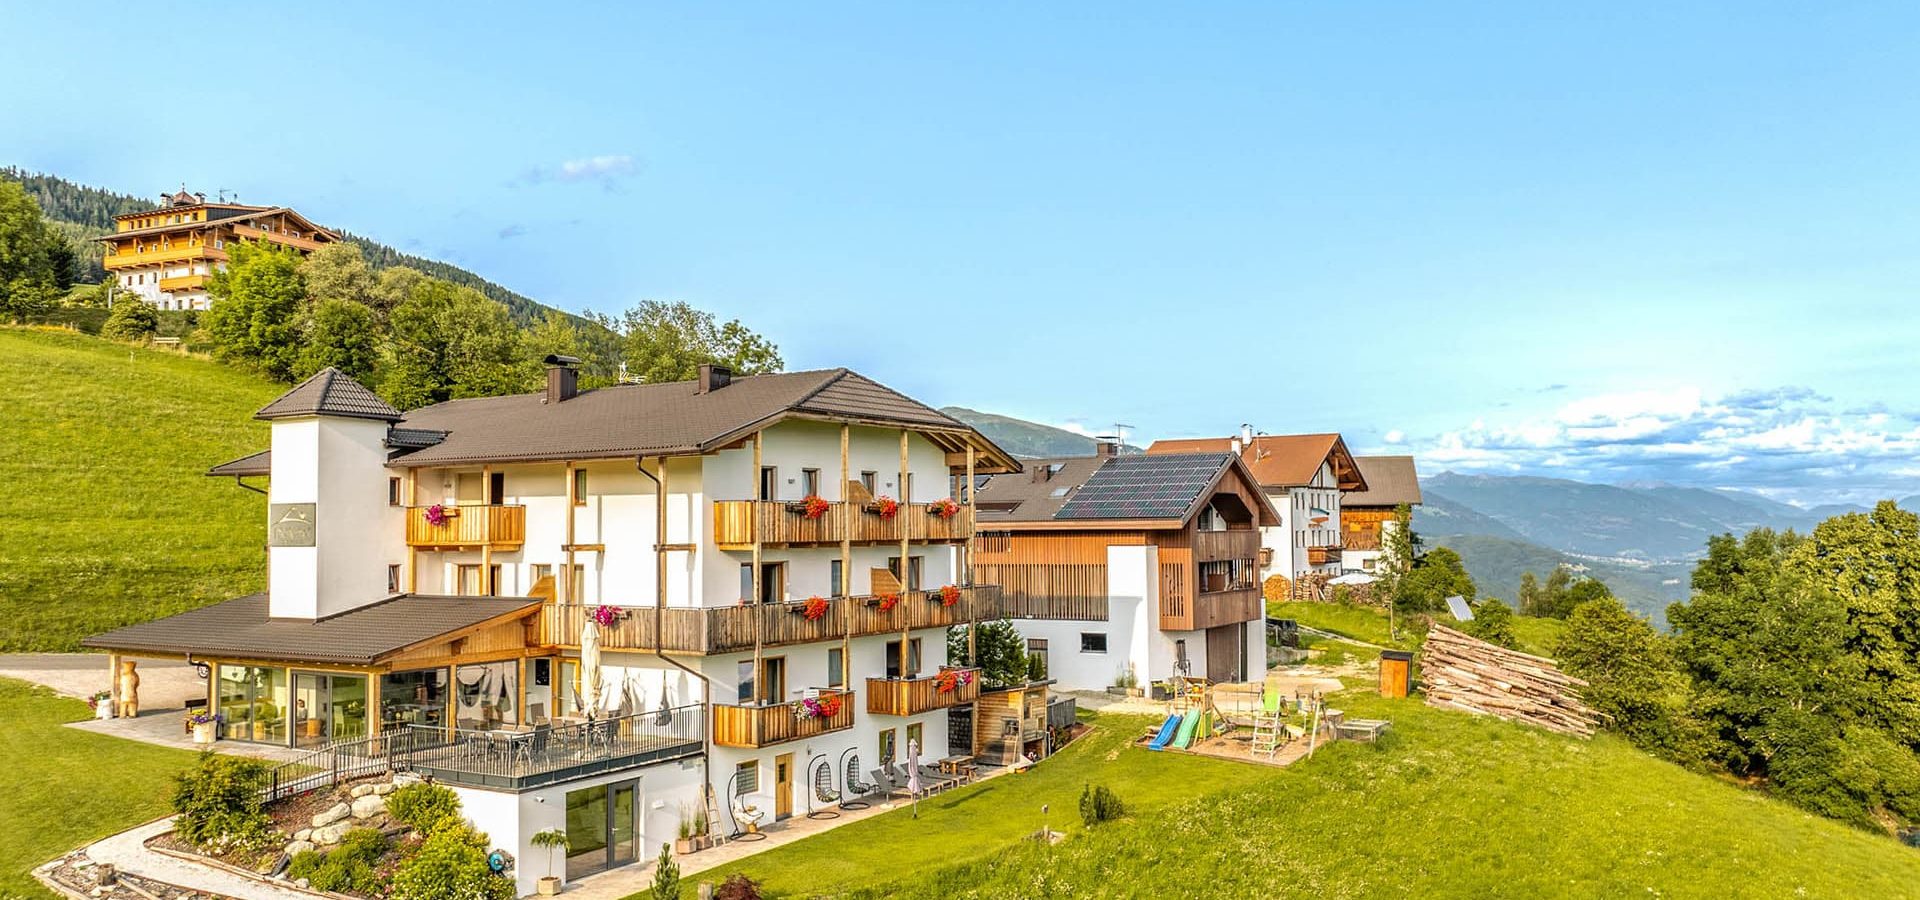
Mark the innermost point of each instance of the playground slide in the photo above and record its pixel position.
(1166, 733)
(1185, 735)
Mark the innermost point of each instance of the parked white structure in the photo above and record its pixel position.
(770, 566)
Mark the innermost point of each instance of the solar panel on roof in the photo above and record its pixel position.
(1144, 487)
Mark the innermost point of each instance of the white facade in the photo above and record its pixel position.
(1309, 517)
(144, 283)
(330, 471)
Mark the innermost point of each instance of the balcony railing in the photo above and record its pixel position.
(730, 629)
(467, 527)
(912, 696)
(528, 759)
(127, 258)
(777, 723)
(183, 282)
(1320, 556)
(737, 524)
(1213, 546)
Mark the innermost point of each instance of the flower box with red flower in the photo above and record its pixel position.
(885, 601)
(439, 514)
(607, 616)
(946, 596)
(944, 508)
(814, 609)
(885, 507)
(813, 507)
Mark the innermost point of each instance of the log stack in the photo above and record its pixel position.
(1463, 672)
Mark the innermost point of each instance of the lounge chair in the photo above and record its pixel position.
(886, 786)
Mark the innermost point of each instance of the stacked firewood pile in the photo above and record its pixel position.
(1463, 672)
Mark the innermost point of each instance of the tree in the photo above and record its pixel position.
(131, 320)
(342, 334)
(337, 271)
(258, 300)
(445, 341)
(669, 342)
(666, 875)
(1397, 543)
(557, 333)
(999, 650)
(1529, 596)
(1492, 622)
(1870, 562)
(1439, 574)
(36, 263)
(1633, 678)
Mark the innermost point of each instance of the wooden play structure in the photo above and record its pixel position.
(1010, 724)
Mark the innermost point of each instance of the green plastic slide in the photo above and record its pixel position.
(1187, 725)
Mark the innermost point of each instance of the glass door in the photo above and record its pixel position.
(603, 828)
(328, 708)
(624, 829)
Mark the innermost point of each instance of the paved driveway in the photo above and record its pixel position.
(164, 684)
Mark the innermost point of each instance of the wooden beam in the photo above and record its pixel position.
(413, 553)
(753, 603)
(967, 559)
(566, 567)
(906, 555)
(486, 549)
(847, 514)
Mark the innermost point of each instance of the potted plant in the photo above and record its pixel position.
(885, 601)
(884, 506)
(551, 839)
(943, 508)
(205, 726)
(814, 609)
(102, 704)
(813, 507)
(693, 829)
(439, 514)
(701, 839)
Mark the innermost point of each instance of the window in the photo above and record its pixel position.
(916, 741)
(836, 667)
(393, 492)
(886, 747)
(746, 777)
(538, 571)
(496, 487)
(836, 571)
(809, 483)
(913, 659)
(871, 481)
(916, 565)
(579, 487)
(773, 679)
(906, 488)
(466, 580)
(1037, 648)
(1093, 642)
(769, 483)
(744, 673)
(773, 582)
(393, 578)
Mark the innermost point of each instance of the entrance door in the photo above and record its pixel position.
(328, 708)
(782, 786)
(603, 828)
(1227, 652)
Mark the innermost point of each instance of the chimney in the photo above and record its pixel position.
(1246, 435)
(1235, 446)
(713, 377)
(1105, 447)
(563, 378)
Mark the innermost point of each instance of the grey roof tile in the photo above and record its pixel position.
(242, 627)
(329, 392)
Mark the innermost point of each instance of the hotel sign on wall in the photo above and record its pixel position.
(290, 525)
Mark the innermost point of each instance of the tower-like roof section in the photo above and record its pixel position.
(329, 392)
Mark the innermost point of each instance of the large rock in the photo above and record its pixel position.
(360, 790)
(337, 812)
(401, 779)
(331, 834)
(298, 847)
(369, 806)
(384, 788)
(303, 834)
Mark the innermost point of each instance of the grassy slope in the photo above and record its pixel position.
(60, 788)
(108, 519)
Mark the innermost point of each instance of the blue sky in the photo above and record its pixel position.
(1620, 242)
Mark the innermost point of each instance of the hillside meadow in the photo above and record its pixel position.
(108, 518)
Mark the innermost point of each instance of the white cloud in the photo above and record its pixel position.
(1395, 436)
(1787, 442)
(606, 170)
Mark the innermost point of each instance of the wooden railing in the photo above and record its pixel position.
(1222, 608)
(468, 526)
(738, 523)
(1320, 556)
(1210, 546)
(912, 696)
(777, 723)
(730, 629)
(1368, 539)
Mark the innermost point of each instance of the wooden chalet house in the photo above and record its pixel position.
(773, 563)
(1144, 563)
(1367, 515)
(1303, 475)
(165, 256)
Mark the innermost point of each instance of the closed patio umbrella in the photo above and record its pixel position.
(913, 775)
(589, 667)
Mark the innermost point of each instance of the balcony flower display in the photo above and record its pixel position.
(815, 506)
(605, 616)
(438, 514)
(885, 506)
(814, 608)
(825, 706)
(97, 700)
(886, 601)
(945, 508)
(950, 679)
(948, 595)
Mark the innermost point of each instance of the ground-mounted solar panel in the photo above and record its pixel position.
(1144, 487)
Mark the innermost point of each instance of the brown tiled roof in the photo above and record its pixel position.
(670, 418)
(1279, 460)
(241, 628)
(1391, 481)
(329, 392)
(260, 463)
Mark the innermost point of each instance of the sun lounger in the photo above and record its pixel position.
(885, 785)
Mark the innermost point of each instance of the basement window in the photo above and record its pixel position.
(1093, 642)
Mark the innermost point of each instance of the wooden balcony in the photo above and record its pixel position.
(731, 629)
(1214, 546)
(1365, 539)
(1182, 612)
(468, 528)
(753, 727)
(128, 258)
(1321, 556)
(183, 282)
(913, 696)
(737, 524)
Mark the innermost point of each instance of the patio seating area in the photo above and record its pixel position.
(545, 754)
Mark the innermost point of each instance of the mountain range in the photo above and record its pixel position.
(1029, 439)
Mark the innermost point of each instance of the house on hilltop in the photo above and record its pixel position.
(165, 255)
(594, 611)
(1110, 564)
(1367, 515)
(1303, 475)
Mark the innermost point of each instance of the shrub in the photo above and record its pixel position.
(217, 803)
(1097, 804)
(666, 876)
(350, 867)
(131, 320)
(450, 865)
(426, 808)
(737, 887)
(1492, 622)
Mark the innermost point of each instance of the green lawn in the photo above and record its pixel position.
(1450, 806)
(1537, 636)
(108, 518)
(1358, 622)
(979, 821)
(61, 788)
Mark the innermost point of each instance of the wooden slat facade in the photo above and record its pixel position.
(763, 726)
(912, 696)
(1050, 575)
(730, 629)
(468, 527)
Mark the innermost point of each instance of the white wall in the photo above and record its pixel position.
(339, 465)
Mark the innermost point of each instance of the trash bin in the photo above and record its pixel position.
(1396, 673)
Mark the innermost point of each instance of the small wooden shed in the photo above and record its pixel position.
(1009, 723)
